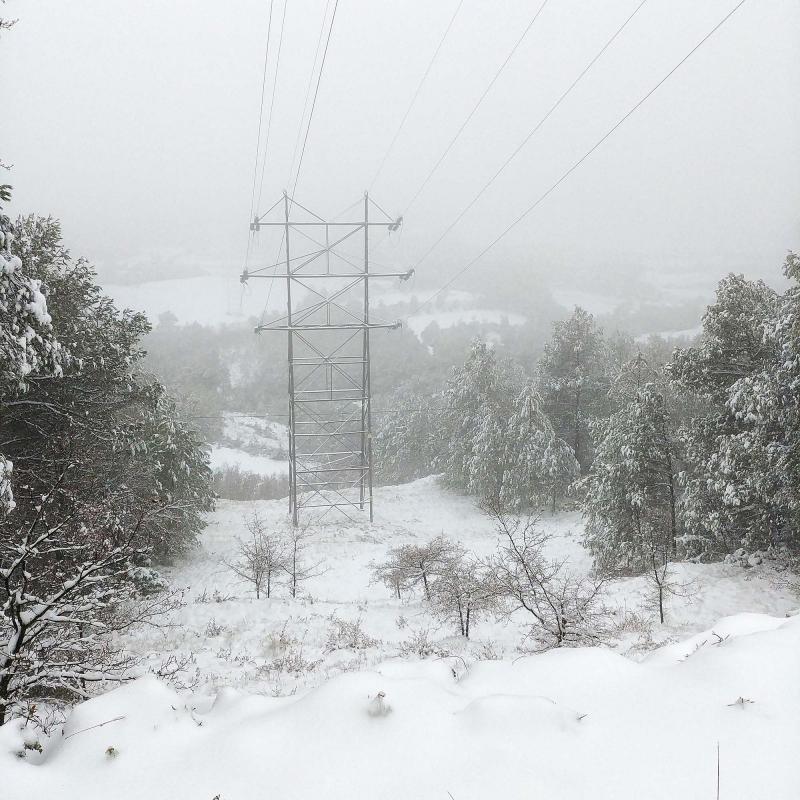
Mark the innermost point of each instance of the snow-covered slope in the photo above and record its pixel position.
(285, 701)
(568, 724)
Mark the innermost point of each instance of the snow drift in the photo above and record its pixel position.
(565, 724)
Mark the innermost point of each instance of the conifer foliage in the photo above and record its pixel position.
(631, 495)
(98, 477)
(573, 381)
(741, 480)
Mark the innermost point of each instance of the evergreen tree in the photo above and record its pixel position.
(539, 467)
(729, 485)
(631, 494)
(573, 381)
(105, 478)
(751, 494)
(408, 440)
(478, 402)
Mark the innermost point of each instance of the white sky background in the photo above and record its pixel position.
(135, 123)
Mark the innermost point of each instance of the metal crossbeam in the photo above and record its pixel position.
(328, 326)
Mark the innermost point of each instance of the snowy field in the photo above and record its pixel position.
(285, 694)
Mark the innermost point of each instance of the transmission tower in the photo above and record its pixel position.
(328, 327)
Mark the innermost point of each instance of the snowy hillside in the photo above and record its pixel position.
(286, 693)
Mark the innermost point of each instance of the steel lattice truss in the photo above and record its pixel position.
(328, 326)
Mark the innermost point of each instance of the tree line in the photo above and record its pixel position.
(689, 454)
(100, 481)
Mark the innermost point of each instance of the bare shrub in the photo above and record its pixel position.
(347, 635)
(287, 655)
(419, 644)
(662, 583)
(462, 592)
(411, 565)
(565, 607)
(295, 564)
(260, 557)
(180, 671)
(213, 629)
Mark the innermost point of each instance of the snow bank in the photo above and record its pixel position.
(567, 724)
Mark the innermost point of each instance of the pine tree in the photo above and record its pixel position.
(477, 405)
(631, 495)
(753, 466)
(573, 381)
(408, 440)
(730, 485)
(539, 467)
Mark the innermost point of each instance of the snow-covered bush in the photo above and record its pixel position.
(415, 566)
(347, 635)
(565, 607)
(463, 592)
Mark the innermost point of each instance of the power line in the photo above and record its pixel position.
(583, 158)
(475, 107)
(308, 90)
(261, 110)
(272, 102)
(260, 123)
(308, 129)
(314, 101)
(530, 135)
(416, 94)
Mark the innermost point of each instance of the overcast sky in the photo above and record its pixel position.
(135, 122)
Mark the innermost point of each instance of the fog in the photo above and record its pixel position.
(135, 123)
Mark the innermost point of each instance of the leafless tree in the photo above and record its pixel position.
(295, 564)
(416, 565)
(67, 585)
(566, 607)
(392, 576)
(461, 593)
(663, 583)
(261, 557)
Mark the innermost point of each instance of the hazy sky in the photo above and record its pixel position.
(135, 123)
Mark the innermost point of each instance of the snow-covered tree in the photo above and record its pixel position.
(539, 466)
(573, 381)
(732, 344)
(408, 440)
(261, 557)
(462, 593)
(125, 482)
(478, 402)
(112, 425)
(565, 607)
(67, 585)
(741, 450)
(28, 346)
(631, 495)
(415, 565)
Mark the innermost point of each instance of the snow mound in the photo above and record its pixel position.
(569, 724)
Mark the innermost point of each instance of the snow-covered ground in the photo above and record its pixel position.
(254, 444)
(285, 699)
(222, 457)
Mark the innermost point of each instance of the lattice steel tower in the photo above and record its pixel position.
(328, 326)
